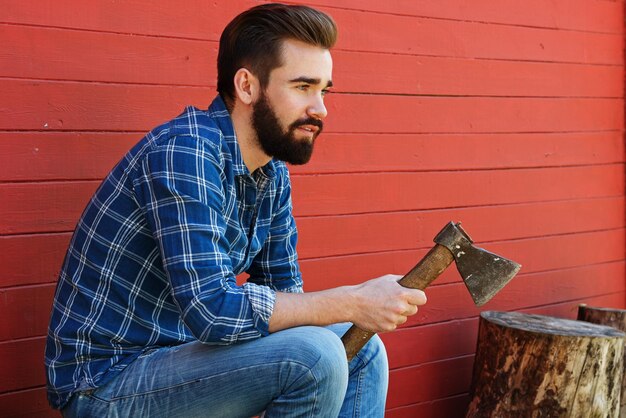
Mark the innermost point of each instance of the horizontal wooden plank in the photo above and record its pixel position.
(400, 34)
(48, 105)
(428, 343)
(161, 19)
(583, 15)
(413, 152)
(61, 156)
(198, 19)
(22, 364)
(427, 75)
(440, 379)
(37, 259)
(25, 311)
(27, 156)
(536, 255)
(355, 234)
(408, 114)
(56, 206)
(30, 403)
(340, 194)
(51, 53)
(37, 207)
(450, 407)
(31, 259)
(360, 30)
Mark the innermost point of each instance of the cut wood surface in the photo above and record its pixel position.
(536, 366)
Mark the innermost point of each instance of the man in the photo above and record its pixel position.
(148, 319)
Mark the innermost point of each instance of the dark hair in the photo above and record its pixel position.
(254, 38)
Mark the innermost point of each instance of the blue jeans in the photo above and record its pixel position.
(298, 372)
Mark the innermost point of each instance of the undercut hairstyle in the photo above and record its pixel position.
(253, 40)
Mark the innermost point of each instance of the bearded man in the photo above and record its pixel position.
(148, 319)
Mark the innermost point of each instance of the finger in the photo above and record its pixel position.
(417, 297)
(394, 277)
(410, 311)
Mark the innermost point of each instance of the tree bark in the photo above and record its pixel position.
(538, 366)
(615, 318)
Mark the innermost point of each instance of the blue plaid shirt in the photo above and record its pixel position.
(154, 256)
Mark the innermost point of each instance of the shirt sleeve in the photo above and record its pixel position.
(179, 187)
(276, 265)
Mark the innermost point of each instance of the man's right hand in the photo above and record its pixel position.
(377, 305)
(382, 304)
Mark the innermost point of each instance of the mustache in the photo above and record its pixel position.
(308, 121)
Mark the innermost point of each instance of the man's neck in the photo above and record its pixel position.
(252, 154)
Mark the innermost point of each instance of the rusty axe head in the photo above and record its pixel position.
(483, 272)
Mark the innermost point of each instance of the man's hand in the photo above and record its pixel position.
(377, 305)
(382, 304)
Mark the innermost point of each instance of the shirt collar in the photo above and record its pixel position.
(219, 113)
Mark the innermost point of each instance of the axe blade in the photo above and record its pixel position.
(484, 273)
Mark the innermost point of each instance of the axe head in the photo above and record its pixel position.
(484, 273)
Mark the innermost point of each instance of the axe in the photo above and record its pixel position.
(483, 273)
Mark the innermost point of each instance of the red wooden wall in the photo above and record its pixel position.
(506, 115)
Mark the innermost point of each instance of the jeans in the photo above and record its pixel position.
(298, 372)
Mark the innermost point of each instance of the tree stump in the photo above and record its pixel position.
(615, 318)
(538, 366)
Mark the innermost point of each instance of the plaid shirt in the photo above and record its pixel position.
(154, 256)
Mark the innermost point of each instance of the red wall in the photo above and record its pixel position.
(505, 115)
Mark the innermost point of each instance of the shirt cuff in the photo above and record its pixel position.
(293, 289)
(262, 299)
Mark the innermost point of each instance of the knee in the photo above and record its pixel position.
(322, 353)
(374, 356)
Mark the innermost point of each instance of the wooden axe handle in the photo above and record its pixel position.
(427, 270)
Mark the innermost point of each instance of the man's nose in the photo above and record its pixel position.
(317, 109)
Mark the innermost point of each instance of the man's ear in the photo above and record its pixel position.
(246, 86)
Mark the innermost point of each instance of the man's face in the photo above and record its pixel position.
(288, 115)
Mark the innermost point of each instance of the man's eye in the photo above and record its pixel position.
(304, 87)
(325, 92)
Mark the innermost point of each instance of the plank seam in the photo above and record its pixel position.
(356, 10)
(448, 19)
(440, 285)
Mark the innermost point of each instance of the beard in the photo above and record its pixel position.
(277, 143)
